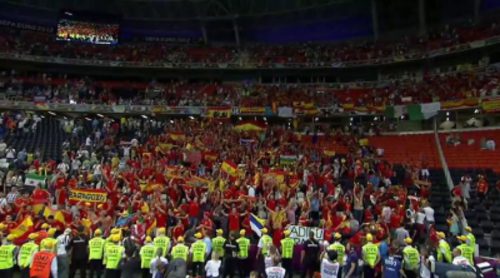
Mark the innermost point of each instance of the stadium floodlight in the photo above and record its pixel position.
(191, 117)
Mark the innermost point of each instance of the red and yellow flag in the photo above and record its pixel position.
(230, 168)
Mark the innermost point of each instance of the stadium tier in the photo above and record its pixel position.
(136, 145)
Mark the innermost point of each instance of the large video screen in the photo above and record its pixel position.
(87, 29)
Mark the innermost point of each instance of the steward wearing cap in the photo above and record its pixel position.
(96, 253)
(42, 234)
(287, 247)
(198, 252)
(44, 263)
(443, 250)
(26, 253)
(471, 239)
(244, 246)
(162, 242)
(339, 248)
(147, 254)
(231, 250)
(180, 250)
(371, 256)
(265, 243)
(113, 254)
(218, 243)
(50, 239)
(466, 250)
(7, 257)
(411, 259)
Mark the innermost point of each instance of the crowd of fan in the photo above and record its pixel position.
(456, 85)
(303, 55)
(168, 187)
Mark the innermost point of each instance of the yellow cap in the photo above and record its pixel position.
(161, 231)
(48, 245)
(87, 204)
(369, 237)
(264, 230)
(52, 231)
(286, 232)
(219, 232)
(2, 226)
(180, 239)
(243, 232)
(408, 240)
(114, 231)
(45, 226)
(125, 213)
(115, 238)
(441, 234)
(97, 232)
(198, 235)
(468, 229)
(11, 237)
(337, 236)
(33, 236)
(148, 239)
(100, 206)
(462, 238)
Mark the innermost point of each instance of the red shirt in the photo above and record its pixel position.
(193, 209)
(234, 221)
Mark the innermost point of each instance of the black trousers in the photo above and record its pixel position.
(112, 273)
(309, 268)
(243, 267)
(287, 265)
(145, 273)
(7, 273)
(78, 265)
(229, 267)
(96, 268)
(198, 268)
(25, 272)
(368, 272)
(410, 273)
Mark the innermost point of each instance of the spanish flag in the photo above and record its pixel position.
(58, 215)
(177, 136)
(210, 156)
(230, 168)
(329, 152)
(250, 126)
(21, 231)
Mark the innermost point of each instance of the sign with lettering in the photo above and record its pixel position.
(301, 233)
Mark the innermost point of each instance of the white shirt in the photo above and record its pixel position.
(424, 270)
(212, 268)
(429, 214)
(420, 217)
(153, 267)
(329, 269)
(62, 242)
(275, 272)
(461, 261)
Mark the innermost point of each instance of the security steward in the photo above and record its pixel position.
(147, 254)
(7, 257)
(180, 250)
(287, 248)
(443, 250)
(411, 259)
(371, 257)
(44, 264)
(471, 238)
(162, 242)
(338, 247)
(50, 238)
(244, 247)
(198, 253)
(218, 243)
(25, 256)
(113, 254)
(263, 245)
(96, 253)
(466, 249)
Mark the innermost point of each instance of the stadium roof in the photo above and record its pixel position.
(190, 9)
